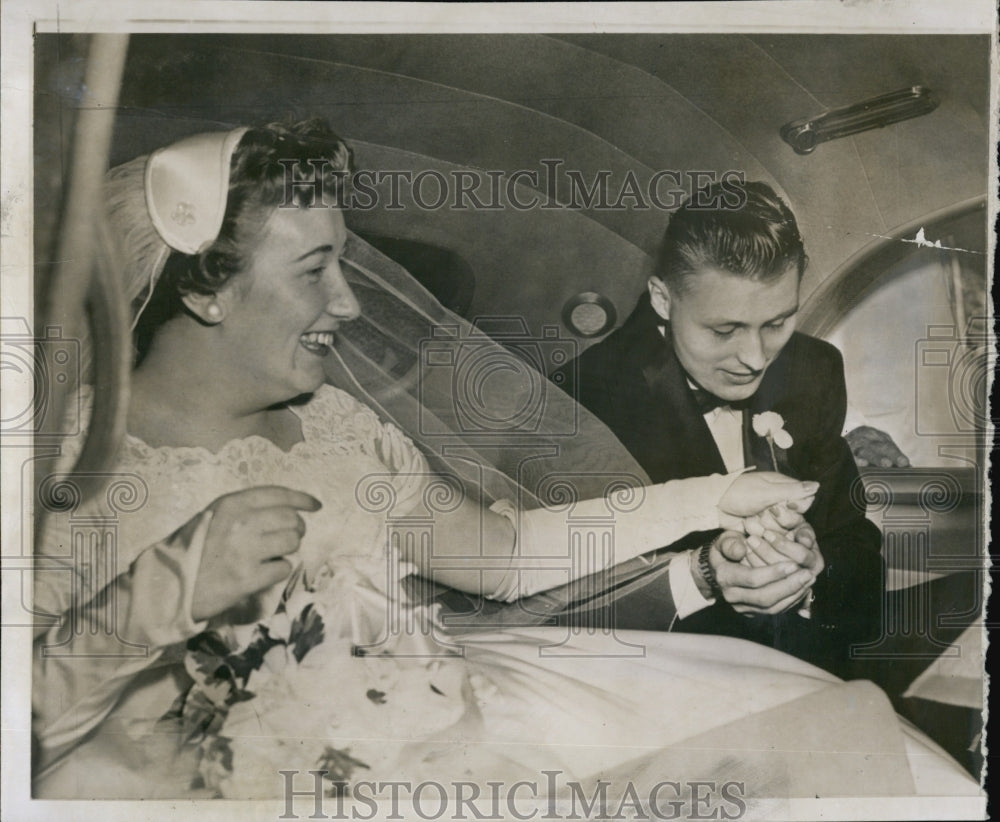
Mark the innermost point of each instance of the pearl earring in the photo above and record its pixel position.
(214, 312)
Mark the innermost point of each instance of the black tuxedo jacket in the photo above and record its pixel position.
(633, 381)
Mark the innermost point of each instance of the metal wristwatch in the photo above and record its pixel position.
(707, 571)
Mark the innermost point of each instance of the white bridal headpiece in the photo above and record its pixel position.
(187, 185)
(172, 199)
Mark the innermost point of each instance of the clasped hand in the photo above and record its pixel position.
(767, 559)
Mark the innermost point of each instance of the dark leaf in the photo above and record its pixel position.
(220, 745)
(200, 716)
(252, 657)
(176, 708)
(338, 764)
(306, 632)
(209, 642)
(241, 695)
(378, 697)
(207, 664)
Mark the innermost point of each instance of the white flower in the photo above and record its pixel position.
(321, 577)
(279, 626)
(772, 426)
(276, 660)
(782, 439)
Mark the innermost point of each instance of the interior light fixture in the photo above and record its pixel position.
(589, 314)
(804, 135)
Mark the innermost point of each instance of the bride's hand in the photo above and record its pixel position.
(250, 535)
(753, 492)
(782, 516)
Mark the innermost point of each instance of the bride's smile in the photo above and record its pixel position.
(282, 312)
(254, 342)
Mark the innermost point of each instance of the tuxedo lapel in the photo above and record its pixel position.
(680, 444)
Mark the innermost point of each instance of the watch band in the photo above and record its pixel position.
(707, 571)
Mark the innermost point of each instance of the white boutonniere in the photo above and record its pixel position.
(771, 426)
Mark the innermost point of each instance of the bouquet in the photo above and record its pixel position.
(299, 692)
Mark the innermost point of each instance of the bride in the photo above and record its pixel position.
(260, 626)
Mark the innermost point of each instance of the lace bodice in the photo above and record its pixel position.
(344, 447)
(125, 542)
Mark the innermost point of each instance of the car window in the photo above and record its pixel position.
(915, 343)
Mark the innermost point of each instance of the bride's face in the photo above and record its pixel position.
(282, 312)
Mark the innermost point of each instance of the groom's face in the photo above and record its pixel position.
(728, 329)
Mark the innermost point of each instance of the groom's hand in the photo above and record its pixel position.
(774, 546)
(767, 589)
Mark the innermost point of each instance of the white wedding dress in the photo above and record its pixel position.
(420, 703)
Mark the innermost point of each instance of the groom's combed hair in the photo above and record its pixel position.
(258, 183)
(746, 230)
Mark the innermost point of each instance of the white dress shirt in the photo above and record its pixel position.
(726, 426)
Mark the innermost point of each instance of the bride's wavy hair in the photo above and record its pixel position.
(743, 228)
(278, 164)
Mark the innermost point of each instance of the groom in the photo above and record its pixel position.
(711, 345)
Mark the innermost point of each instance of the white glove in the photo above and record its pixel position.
(556, 546)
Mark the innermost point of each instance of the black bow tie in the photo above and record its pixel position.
(707, 401)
